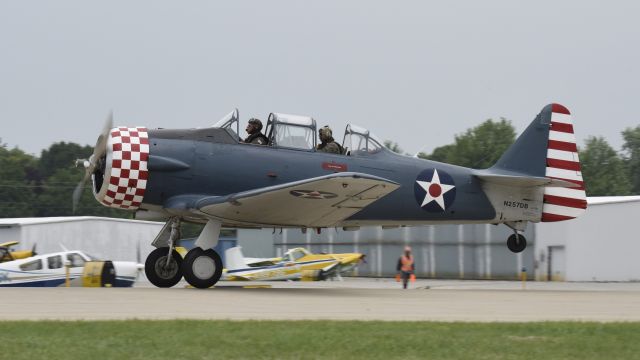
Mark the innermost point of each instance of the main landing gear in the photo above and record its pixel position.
(517, 242)
(201, 267)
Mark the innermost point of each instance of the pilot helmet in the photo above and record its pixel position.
(325, 132)
(256, 122)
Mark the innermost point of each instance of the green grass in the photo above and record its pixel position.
(186, 339)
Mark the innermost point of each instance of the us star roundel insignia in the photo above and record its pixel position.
(313, 194)
(434, 190)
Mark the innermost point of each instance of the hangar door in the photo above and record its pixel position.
(557, 265)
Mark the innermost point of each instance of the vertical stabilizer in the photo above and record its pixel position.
(561, 203)
(234, 259)
(547, 148)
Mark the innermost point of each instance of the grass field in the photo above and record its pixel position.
(186, 339)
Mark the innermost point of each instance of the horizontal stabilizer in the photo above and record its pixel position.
(522, 180)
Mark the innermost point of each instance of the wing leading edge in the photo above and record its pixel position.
(316, 202)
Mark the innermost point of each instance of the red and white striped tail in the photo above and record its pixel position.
(561, 203)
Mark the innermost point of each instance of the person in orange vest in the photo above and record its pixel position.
(406, 266)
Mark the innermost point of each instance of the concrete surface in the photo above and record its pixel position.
(352, 299)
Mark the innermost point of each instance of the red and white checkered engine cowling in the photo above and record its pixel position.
(126, 171)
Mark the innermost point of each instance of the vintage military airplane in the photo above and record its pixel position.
(210, 176)
(295, 264)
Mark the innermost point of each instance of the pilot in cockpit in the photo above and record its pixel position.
(254, 129)
(327, 143)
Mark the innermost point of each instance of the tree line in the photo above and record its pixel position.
(606, 172)
(33, 186)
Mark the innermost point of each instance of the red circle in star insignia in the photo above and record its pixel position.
(435, 190)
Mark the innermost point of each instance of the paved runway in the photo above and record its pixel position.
(353, 299)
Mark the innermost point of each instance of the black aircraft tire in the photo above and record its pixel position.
(202, 268)
(156, 270)
(516, 245)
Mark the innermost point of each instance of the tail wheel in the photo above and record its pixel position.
(516, 243)
(159, 272)
(202, 268)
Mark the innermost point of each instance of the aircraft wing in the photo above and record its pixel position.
(262, 261)
(317, 202)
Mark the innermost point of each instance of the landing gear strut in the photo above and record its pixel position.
(163, 266)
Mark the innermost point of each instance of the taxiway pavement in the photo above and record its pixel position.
(352, 299)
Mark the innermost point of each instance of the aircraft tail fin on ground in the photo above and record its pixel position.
(234, 259)
(547, 148)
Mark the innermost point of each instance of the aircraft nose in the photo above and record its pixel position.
(120, 177)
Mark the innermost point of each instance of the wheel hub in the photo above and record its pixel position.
(166, 271)
(203, 267)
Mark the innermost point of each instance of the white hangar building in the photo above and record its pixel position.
(104, 238)
(600, 245)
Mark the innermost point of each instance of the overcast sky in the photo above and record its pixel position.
(415, 72)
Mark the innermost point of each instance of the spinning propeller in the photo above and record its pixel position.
(96, 160)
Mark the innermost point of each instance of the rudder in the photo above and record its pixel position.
(563, 163)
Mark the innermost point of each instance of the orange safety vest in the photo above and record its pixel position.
(407, 263)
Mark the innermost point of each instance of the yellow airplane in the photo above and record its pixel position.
(296, 264)
(7, 255)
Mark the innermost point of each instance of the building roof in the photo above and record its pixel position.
(600, 200)
(59, 219)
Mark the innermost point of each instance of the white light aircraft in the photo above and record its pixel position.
(49, 270)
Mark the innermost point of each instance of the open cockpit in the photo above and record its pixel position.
(298, 132)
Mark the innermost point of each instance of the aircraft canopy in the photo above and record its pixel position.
(360, 141)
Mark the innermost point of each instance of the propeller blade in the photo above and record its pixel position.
(101, 143)
(77, 193)
(33, 250)
(98, 151)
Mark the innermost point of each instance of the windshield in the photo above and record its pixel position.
(296, 255)
(230, 122)
(292, 131)
(91, 257)
(75, 260)
(298, 137)
(360, 141)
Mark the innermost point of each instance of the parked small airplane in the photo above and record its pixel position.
(6, 254)
(295, 264)
(210, 176)
(49, 270)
